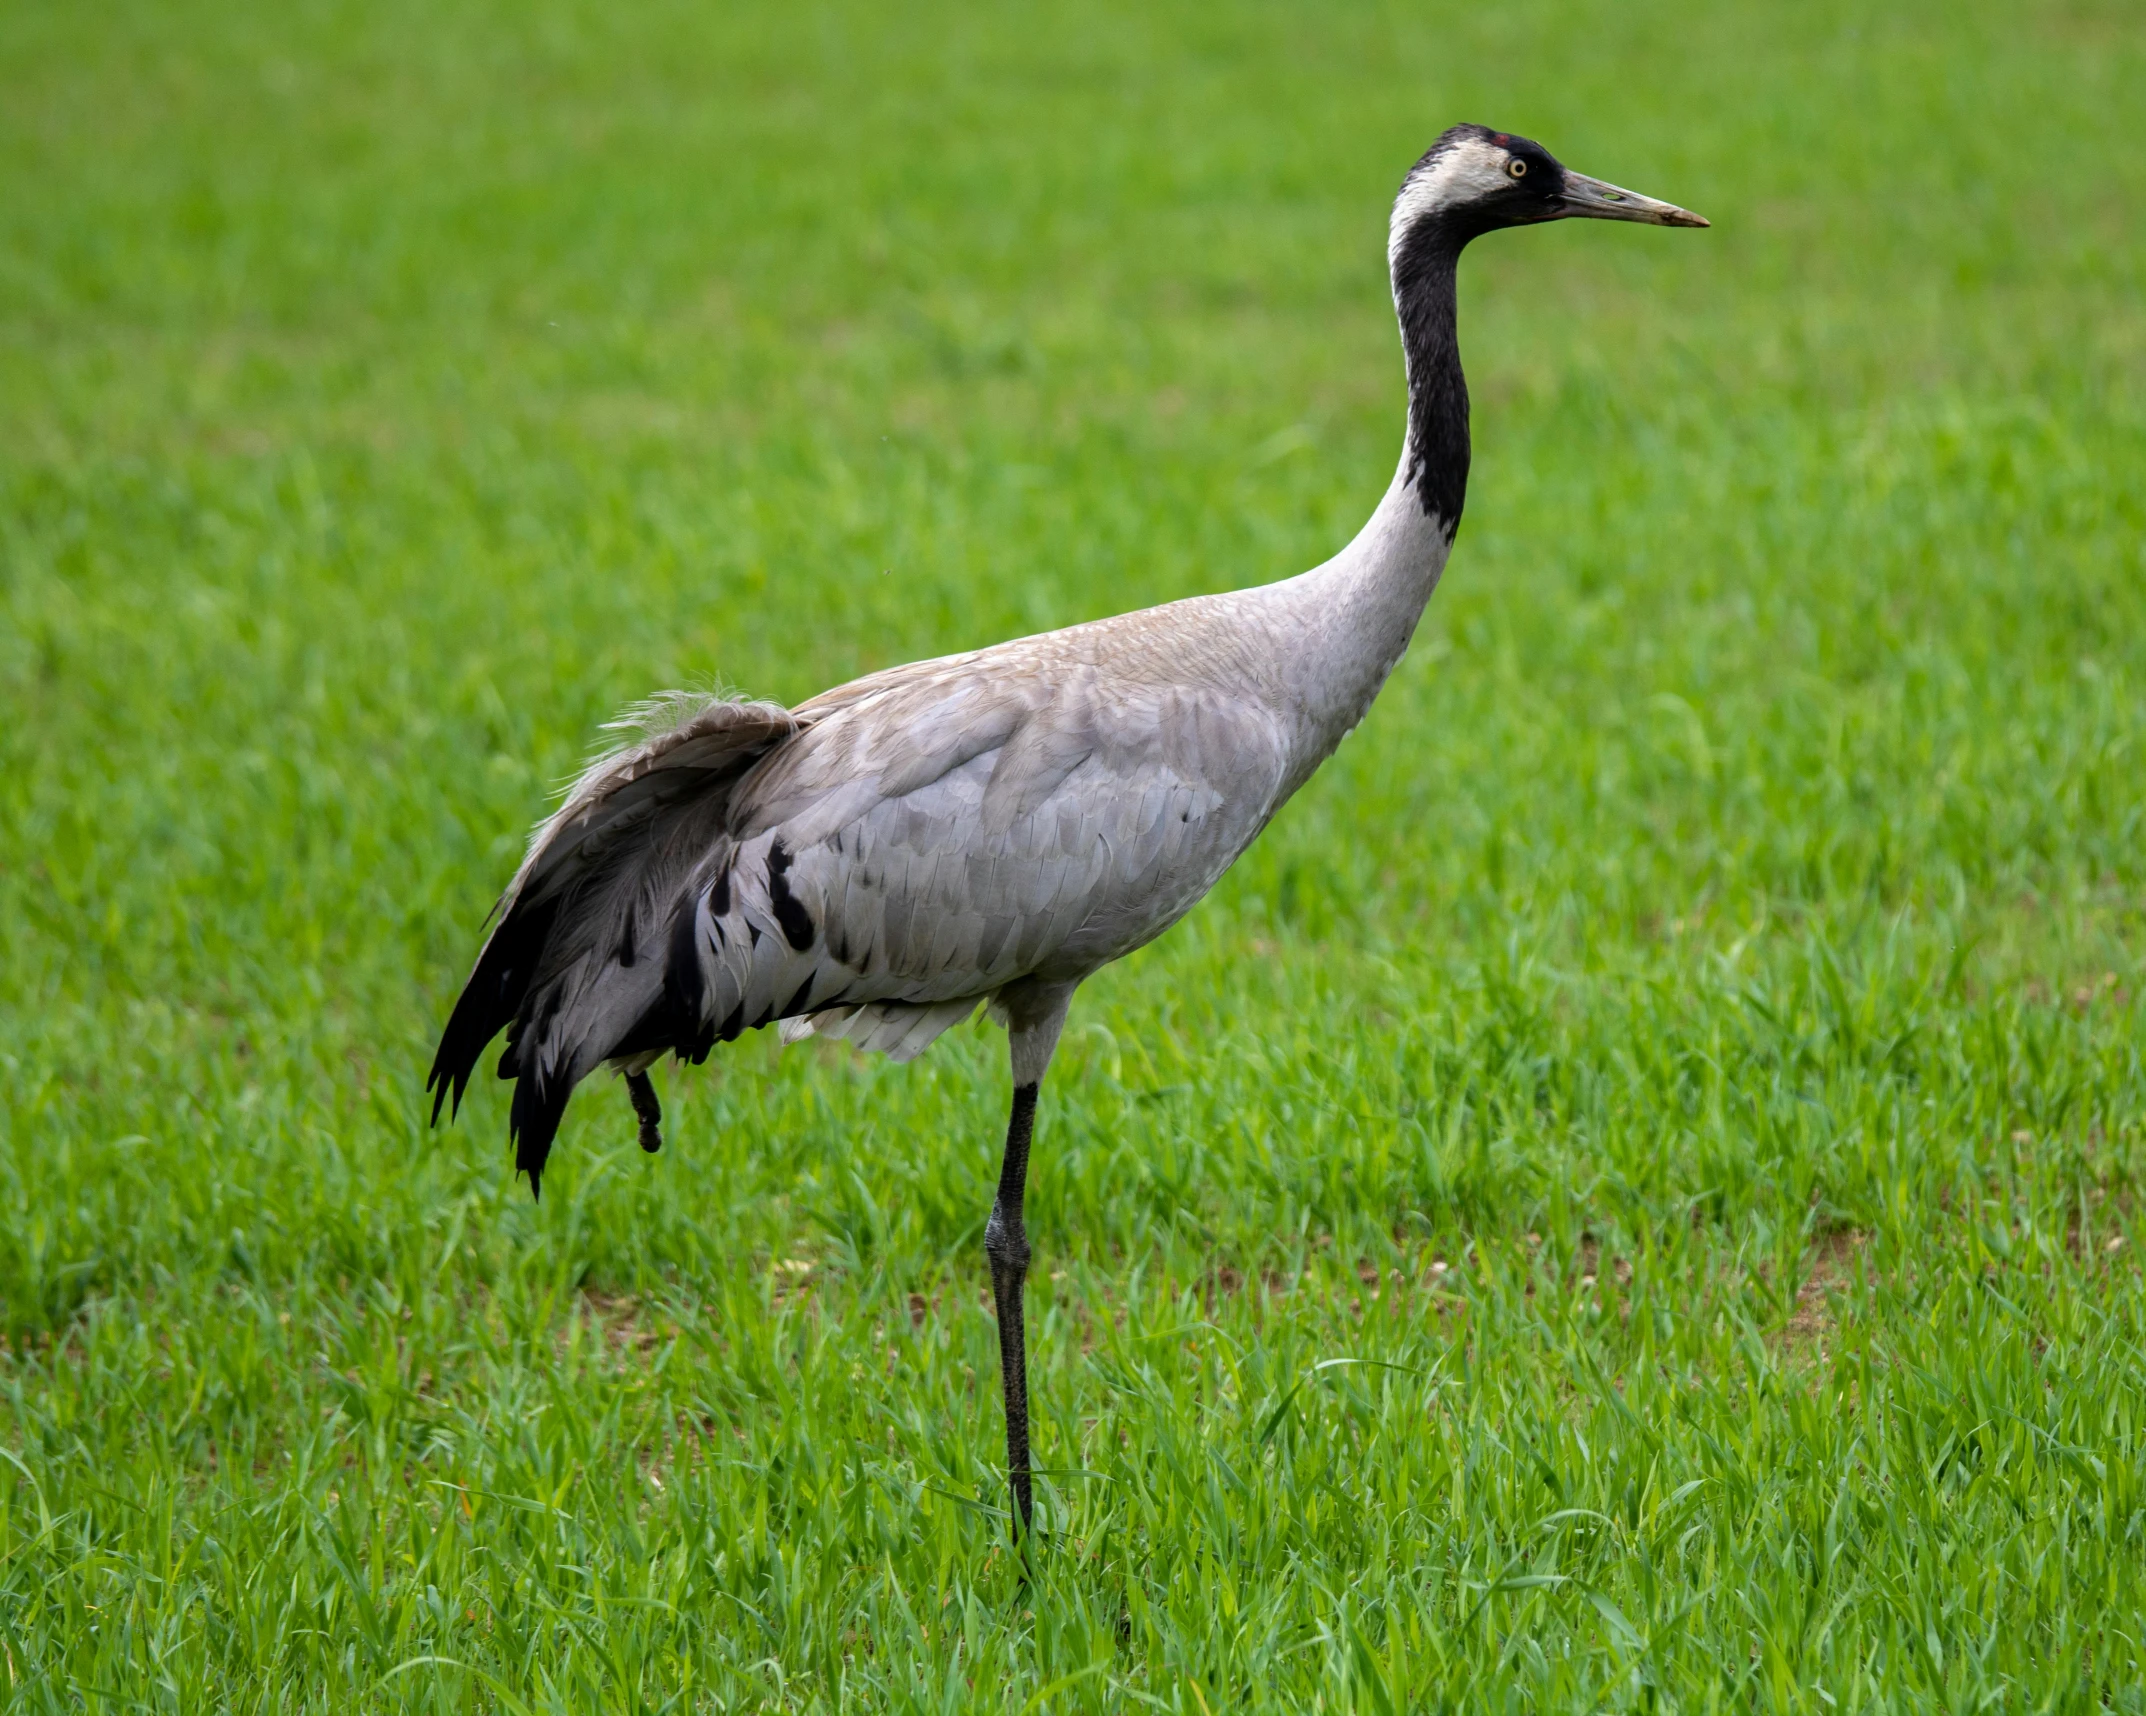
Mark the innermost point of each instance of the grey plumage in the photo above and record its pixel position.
(880, 860)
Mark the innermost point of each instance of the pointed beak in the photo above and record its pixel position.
(1591, 199)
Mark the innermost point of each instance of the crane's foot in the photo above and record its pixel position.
(647, 1110)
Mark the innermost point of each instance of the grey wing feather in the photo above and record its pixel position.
(1059, 832)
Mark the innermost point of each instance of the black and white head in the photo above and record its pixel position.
(1475, 180)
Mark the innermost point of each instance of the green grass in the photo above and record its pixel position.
(1627, 1198)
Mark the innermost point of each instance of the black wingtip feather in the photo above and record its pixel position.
(490, 1000)
(533, 1121)
(797, 925)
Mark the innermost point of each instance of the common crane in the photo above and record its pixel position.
(987, 828)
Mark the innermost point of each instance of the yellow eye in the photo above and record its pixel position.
(1518, 169)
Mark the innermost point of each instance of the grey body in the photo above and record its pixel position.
(1003, 822)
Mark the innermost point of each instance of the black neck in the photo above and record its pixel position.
(1424, 296)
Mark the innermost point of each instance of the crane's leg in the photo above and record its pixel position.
(1006, 1244)
(1033, 1013)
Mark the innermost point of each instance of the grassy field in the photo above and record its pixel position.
(1627, 1199)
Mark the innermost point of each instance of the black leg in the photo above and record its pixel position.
(647, 1110)
(1006, 1244)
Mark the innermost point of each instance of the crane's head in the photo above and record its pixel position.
(1474, 180)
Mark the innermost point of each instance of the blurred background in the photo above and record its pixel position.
(1734, 904)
